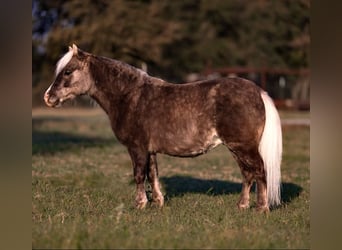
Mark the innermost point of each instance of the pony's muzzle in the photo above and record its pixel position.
(51, 101)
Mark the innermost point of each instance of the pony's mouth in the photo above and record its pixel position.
(55, 102)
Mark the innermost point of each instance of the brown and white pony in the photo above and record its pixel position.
(151, 116)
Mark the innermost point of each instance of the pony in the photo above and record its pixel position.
(150, 116)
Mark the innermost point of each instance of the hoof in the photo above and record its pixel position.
(243, 205)
(263, 209)
(158, 201)
(141, 203)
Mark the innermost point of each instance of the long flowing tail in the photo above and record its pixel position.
(270, 149)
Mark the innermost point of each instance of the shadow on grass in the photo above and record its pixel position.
(52, 142)
(289, 191)
(179, 185)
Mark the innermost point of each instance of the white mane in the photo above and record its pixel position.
(63, 61)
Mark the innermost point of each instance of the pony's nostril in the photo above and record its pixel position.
(46, 97)
(50, 101)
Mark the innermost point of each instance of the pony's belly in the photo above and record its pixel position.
(190, 147)
(192, 152)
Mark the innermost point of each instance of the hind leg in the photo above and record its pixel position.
(262, 203)
(247, 182)
(252, 167)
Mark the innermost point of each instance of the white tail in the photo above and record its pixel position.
(270, 149)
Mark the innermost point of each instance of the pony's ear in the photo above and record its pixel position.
(74, 49)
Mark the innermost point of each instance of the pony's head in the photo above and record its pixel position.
(72, 78)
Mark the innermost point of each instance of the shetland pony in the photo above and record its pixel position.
(151, 116)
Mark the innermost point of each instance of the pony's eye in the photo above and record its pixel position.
(67, 72)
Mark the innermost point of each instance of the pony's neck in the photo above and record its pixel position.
(113, 80)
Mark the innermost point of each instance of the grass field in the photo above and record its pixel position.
(82, 193)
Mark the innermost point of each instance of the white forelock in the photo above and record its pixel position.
(63, 61)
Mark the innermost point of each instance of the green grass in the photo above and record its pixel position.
(82, 193)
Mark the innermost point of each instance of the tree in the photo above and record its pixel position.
(174, 38)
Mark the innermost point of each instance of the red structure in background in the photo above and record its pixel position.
(264, 73)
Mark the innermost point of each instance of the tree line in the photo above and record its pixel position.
(173, 38)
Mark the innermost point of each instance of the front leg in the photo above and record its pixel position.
(152, 175)
(140, 162)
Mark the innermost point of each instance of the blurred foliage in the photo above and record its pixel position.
(173, 38)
